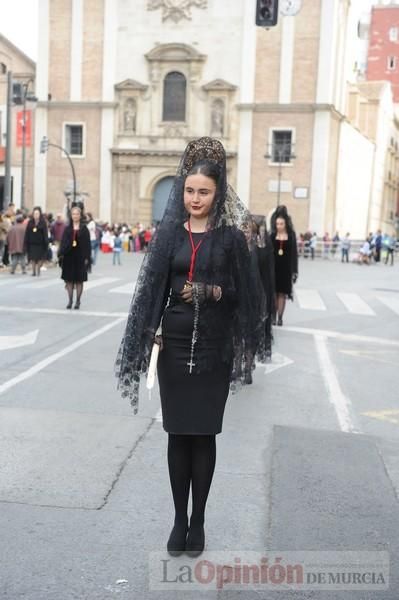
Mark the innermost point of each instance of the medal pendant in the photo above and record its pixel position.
(74, 243)
(281, 252)
(34, 229)
(187, 285)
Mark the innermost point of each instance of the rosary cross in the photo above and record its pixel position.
(191, 364)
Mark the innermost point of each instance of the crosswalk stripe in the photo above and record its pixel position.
(89, 285)
(128, 288)
(309, 299)
(390, 302)
(355, 304)
(40, 285)
(6, 281)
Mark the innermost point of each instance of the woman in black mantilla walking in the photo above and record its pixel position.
(36, 240)
(75, 256)
(198, 275)
(285, 259)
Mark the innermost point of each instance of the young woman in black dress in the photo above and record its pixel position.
(285, 259)
(75, 256)
(36, 240)
(197, 275)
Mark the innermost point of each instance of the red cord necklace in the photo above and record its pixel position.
(194, 252)
(75, 233)
(281, 251)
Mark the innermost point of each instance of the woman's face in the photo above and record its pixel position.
(280, 225)
(36, 214)
(75, 214)
(199, 194)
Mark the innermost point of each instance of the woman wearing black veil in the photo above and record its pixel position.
(285, 258)
(265, 256)
(197, 275)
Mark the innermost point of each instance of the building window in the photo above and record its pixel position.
(174, 97)
(74, 139)
(392, 63)
(3, 69)
(281, 145)
(394, 34)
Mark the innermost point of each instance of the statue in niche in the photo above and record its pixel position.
(129, 116)
(217, 118)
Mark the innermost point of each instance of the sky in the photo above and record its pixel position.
(19, 23)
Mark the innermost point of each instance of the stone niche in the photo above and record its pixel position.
(130, 95)
(220, 101)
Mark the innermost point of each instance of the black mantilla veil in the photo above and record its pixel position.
(266, 268)
(229, 221)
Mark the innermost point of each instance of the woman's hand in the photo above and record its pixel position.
(159, 340)
(203, 291)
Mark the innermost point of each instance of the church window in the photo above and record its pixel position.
(174, 97)
(74, 139)
(281, 146)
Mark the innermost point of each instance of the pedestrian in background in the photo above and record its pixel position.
(378, 246)
(15, 242)
(335, 244)
(326, 246)
(116, 244)
(5, 225)
(390, 244)
(345, 248)
(313, 245)
(94, 241)
(75, 256)
(37, 240)
(285, 259)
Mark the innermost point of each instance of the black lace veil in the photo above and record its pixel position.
(152, 288)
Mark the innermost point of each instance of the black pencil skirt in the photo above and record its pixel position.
(192, 403)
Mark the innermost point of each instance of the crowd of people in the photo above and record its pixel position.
(376, 247)
(33, 239)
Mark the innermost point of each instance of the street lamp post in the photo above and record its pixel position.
(44, 145)
(283, 151)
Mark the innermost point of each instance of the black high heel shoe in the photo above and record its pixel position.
(69, 305)
(177, 539)
(195, 542)
(77, 305)
(280, 321)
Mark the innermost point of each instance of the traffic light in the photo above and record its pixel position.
(266, 13)
(44, 145)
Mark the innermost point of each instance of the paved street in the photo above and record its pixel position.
(308, 459)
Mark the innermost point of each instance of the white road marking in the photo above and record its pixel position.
(16, 341)
(355, 304)
(349, 337)
(278, 361)
(390, 302)
(309, 299)
(58, 311)
(89, 285)
(4, 387)
(128, 288)
(341, 404)
(40, 285)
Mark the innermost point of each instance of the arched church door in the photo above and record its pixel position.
(161, 195)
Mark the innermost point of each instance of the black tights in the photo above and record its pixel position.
(191, 459)
(79, 289)
(280, 304)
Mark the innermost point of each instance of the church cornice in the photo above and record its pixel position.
(219, 85)
(83, 104)
(131, 84)
(274, 107)
(156, 153)
(174, 53)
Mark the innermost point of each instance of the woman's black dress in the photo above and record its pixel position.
(194, 403)
(285, 264)
(36, 241)
(75, 260)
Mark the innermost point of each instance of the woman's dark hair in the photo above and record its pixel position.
(281, 212)
(39, 209)
(206, 167)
